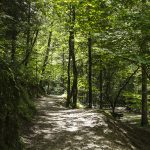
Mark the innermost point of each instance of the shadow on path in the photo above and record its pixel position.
(57, 128)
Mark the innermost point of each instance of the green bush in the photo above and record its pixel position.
(133, 100)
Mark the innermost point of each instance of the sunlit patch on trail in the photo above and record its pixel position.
(58, 128)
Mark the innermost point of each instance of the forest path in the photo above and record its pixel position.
(57, 128)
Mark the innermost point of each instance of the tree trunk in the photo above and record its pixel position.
(68, 81)
(90, 71)
(144, 117)
(101, 89)
(28, 44)
(75, 79)
(47, 52)
(123, 87)
(143, 47)
(13, 45)
(63, 73)
(75, 74)
(74, 89)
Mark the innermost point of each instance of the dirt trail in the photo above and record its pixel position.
(57, 128)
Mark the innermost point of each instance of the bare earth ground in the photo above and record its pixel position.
(57, 128)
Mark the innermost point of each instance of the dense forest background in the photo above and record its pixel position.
(95, 52)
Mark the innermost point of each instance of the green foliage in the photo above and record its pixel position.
(9, 100)
(133, 101)
(80, 106)
(26, 107)
(120, 43)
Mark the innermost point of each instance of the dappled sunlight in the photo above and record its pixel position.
(57, 128)
(131, 118)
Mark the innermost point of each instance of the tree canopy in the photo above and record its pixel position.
(95, 52)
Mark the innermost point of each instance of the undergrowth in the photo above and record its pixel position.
(16, 107)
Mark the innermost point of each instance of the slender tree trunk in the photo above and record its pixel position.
(143, 47)
(47, 52)
(63, 74)
(13, 45)
(28, 44)
(75, 76)
(75, 73)
(90, 70)
(37, 82)
(123, 87)
(29, 49)
(74, 89)
(30, 41)
(46, 58)
(101, 89)
(144, 117)
(68, 81)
